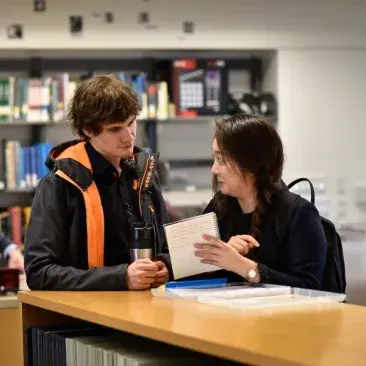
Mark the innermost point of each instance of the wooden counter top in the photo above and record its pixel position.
(331, 336)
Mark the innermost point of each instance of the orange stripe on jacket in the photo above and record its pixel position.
(93, 205)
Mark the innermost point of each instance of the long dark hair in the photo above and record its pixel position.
(254, 146)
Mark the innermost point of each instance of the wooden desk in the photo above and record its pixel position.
(332, 336)
(10, 334)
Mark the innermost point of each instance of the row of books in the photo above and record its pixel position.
(21, 167)
(14, 222)
(35, 99)
(153, 96)
(92, 345)
(46, 99)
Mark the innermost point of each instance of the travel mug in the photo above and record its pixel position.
(143, 241)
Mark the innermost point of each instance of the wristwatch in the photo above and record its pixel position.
(252, 273)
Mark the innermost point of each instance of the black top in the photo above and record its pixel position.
(56, 243)
(120, 206)
(298, 261)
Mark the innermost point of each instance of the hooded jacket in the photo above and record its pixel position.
(55, 259)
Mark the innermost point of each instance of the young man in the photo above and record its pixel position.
(80, 229)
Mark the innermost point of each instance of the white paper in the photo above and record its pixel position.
(181, 237)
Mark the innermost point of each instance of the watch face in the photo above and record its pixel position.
(252, 273)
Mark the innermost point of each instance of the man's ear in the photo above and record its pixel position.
(87, 133)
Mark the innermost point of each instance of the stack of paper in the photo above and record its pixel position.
(227, 292)
(253, 296)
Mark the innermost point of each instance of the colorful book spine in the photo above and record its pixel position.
(22, 167)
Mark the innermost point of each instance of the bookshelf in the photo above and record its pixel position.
(184, 142)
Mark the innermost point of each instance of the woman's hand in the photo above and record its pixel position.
(215, 251)
(243, 243)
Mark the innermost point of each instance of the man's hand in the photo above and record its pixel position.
(162, 276)
(243, 243)
(140, 274)
(16, 259)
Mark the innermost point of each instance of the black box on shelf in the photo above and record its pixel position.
(200, 87)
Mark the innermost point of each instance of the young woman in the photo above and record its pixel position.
(247, 172)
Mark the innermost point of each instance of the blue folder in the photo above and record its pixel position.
(212, 283)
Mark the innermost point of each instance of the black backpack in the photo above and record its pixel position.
(334, 279)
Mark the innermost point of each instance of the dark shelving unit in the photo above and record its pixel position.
(157, 65)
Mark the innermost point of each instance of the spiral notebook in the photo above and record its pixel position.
(181, 236)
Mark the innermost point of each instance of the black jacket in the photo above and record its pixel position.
(299, 261)
(4, 242)
(55, 243)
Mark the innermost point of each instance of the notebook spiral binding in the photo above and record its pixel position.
(217, 229)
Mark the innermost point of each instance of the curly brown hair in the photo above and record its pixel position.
(99, 101)
(255, 147)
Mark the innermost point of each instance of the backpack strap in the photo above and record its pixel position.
(285, 203)
(312, 190)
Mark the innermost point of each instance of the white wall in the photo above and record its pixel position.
(322, 118)
(229, 24)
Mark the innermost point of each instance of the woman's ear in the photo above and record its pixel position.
(250, 181)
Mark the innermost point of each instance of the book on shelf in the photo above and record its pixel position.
(21, 167)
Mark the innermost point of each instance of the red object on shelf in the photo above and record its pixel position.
(9, 280)
(16, 224)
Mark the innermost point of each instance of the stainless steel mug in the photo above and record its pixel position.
(143, 241)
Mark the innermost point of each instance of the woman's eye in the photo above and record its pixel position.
(220, 160)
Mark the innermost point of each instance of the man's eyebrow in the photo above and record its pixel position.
(122, 124)
(110, 127)
(130, 119)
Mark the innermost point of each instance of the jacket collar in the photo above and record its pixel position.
(61, 158)
(99, 163)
